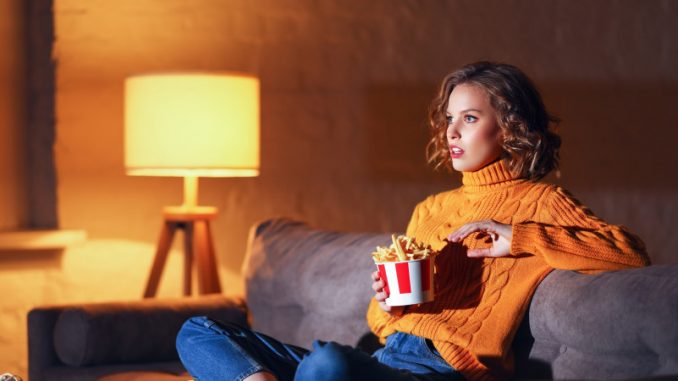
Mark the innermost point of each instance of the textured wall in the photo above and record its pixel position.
(345, 85)
(344, 91)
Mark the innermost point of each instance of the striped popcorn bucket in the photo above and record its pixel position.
(407, 282)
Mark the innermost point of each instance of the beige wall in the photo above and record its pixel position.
(345, 85)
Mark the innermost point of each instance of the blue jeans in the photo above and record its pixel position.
(212, 350)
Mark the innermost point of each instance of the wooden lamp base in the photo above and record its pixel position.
(195, 223)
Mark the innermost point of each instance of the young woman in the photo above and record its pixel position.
(499, 234)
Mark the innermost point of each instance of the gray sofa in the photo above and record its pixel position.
(304, 283)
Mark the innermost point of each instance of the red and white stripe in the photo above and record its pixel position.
(408, 282)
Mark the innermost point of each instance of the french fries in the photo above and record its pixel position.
(402, 248)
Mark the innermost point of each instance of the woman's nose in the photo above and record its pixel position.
(452, 131)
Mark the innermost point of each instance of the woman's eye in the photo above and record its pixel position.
(449, 120)
(470, 118)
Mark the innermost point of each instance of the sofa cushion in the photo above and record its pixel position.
(139, 331)
(303, 283)
(616, 324)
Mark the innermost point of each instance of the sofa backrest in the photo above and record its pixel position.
(303, 284)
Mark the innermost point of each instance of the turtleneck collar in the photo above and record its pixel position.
(491, 176)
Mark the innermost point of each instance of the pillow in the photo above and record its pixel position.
(139, 331)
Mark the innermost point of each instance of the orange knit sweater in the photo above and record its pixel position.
(480, 302)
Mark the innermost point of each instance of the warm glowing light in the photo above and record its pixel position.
(192, 124)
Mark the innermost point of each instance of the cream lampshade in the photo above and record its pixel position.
(191, 125)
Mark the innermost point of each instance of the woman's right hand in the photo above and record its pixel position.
(378, 287)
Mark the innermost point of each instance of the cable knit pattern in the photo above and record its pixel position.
(480, 302)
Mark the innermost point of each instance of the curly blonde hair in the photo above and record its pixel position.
(529, 147)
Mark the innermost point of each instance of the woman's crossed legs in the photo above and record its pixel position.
(212, 350)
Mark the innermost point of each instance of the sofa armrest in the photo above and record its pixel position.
(41, 354)
(118, 332)
(613, 325)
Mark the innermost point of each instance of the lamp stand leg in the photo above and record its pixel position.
(188, 258)
(164, 244)
(198, 247)
(206, 262)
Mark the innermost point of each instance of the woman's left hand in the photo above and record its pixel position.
(501, 235)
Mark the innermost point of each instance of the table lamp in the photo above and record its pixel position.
(191, 125)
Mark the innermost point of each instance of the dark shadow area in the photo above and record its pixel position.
(525, 367)
(40, 132)
(616, 134)
(30, 259)
(369, 343)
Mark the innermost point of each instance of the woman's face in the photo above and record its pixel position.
(472, 129)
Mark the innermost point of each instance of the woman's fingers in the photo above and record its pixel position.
(378, 286)
(477, 253)
(487, 226)
(380, 295)
(461, 233)
(501, 235)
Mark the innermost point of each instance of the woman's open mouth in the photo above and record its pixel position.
(456, 152)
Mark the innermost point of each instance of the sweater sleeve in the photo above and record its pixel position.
(377, 319)
(577, 239)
